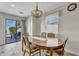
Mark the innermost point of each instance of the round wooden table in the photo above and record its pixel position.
(43, 45)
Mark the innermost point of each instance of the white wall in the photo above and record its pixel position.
(29, 25)
(34, 25)
(4, 16)
(69, 26)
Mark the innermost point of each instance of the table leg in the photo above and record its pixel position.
(51, 52)
(22, 45)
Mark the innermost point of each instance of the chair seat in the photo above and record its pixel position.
(33, 46)
(33, 50)
(58, 51)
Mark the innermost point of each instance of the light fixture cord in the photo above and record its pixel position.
(36, 5)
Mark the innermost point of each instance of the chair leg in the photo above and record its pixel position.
(40, 52)
(43, 50)
(62, 52)
(22, 45)
(24, 53)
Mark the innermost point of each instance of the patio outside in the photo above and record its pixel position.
(13, 31)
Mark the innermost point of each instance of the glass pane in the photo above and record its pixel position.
(13, 31)
(18, 24)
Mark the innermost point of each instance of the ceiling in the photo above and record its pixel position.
(25, 8)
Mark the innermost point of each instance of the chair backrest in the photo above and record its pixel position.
(43, 34)
(65, 42)
(51, 35)
(64, 39)
(26, 40)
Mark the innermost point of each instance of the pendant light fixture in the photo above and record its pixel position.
(37, 12)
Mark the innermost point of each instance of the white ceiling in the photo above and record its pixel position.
(27, 7)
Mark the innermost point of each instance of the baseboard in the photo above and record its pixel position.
(72, 52)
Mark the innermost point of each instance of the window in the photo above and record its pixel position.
(51, 25)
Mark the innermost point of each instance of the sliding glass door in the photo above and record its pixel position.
(12, 31)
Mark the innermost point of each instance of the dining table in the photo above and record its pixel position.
(49, 44)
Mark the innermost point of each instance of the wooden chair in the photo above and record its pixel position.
(43, 34)
(51, 35)
(60, 50)
(29, 47)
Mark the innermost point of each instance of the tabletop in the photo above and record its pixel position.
(47, 42)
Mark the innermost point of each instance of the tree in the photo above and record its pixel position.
(18, 24)
(12, 30)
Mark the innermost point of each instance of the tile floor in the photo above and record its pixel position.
(15, 49)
